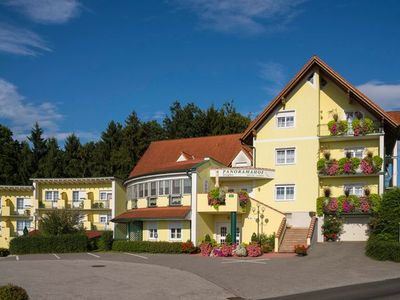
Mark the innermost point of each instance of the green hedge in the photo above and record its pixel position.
(380, 248)
(149, 247)
(13, 292)
(49, 244)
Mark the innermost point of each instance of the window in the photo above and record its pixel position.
(175, 200)
(176, 187)
(51, 195)
(105, 195)
(75, 196)
(205, 187)
(134, 189)
(285, 156)
(355, 152)
(355, 189)
(152, 228)
(20, 203)
(175, 232)
(285, 119)
(141, 190)
(103, 219)
(153, 188)
(187, 186)
(21, 224)
(284, 192)
(167, 184)
(146, 189)
(161, 187)
(152, 202)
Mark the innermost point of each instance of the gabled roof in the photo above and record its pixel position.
(395, 115)
(16, 188)
(161, 156)
(327, 70)
(153, 213)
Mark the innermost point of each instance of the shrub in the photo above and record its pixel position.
(226, 250)
(4, 252)
(267, 239)
(382, 247)
(13, 292)
(60, 221)
(49, 244)
(188, 247)
(267, 248)
(321, 201)
(389, 214)
(207, 238)
(254, 250)
(375, 200)
(147, 246)
(228, 239)
(106, 241)
(254, 238)
(332, 228)
(300, 250)
(240, 251)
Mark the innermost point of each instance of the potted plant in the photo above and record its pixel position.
(348, 164)
(216, 197)
(371, 164)
(300, 250)
(337, 127)
(332, 228)
(362, 126)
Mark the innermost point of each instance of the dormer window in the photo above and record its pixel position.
(184, 157)
(285, 119)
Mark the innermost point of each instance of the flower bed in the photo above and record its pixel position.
(225, 250)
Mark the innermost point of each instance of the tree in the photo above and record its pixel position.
(51, 165)
(39, 149)
(60, 221)
(8, 157)
(25, 169)
(73, 163)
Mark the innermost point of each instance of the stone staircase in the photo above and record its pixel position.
(293, 236)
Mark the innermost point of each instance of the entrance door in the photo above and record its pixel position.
(223, 229)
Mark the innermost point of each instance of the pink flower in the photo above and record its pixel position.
(364, 206)
(254, 250)
(333, 129)
(333, 205)
(348, 167)
(226, 250)
(366, 167)
(333, 168)
(347, 207)
(205, 249)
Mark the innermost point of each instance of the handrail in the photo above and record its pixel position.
(280, 233)
(311, 230)
(266, 205)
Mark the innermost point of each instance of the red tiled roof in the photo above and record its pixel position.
(91, 234)
(395, 116)
(160, 213)
(162, 156)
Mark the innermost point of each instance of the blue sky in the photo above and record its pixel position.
(75, 65)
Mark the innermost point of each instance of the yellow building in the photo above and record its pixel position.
(97, 199)
(16, 212)
(275, 160)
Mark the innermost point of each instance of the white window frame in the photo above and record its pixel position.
(285, 186)
(19, 199)
(105, 192)
(174, 228)
(352, 188)
(183, 186)
(285, 156)
(354, 150)
(25, 223)
(152, 229)
(180, 187)
(156, 188)
(285, 114)
(52, 197)
(103, 216)
(73, 198)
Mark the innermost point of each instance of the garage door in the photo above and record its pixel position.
(355, 228)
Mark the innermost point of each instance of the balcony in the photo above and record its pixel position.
(343, 130)
(231, 204)
(8, 211)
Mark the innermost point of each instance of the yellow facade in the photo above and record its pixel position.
(12, 213)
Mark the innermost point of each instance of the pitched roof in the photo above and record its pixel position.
(316, 61)
(153, 213)
(162, 156)
(395, 115)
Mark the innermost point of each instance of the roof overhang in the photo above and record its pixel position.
(154, 213)
(16, 188)
(75, 180)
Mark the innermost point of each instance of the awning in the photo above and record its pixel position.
(153, 213)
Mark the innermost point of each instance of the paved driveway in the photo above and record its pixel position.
(131, 276)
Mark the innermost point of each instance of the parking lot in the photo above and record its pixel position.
(97, 275)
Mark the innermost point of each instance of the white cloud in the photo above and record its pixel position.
(47, 11)
(21, 41)
(274, 74)
(242, 16)
(158, 115)
(22, 115)
(386, 95)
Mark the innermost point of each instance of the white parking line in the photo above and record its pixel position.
(136, 255)
(257, 261)
(17, 257)
(56, 256)
(93, 255)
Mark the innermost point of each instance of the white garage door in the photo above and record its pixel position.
(355, 229)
